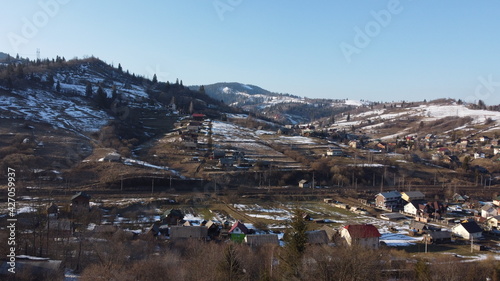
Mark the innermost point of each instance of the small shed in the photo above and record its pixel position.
(304, 184)
(438, 237)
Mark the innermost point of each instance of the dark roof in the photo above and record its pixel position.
(240, 225)
(188, 232)
(418, 225)
(471, 227)
(414, 194)
(362, 230)
(317, 237)
(81, 193)
(440, 234)
(390, 194)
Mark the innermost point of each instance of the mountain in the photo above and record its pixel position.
(55, 113)
(283, 108)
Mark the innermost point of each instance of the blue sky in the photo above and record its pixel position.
(373, 50)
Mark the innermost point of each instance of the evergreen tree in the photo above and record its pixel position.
(50, 80)
(88, 90)
(58, 87)
(155, 79)
(120, 69)
(102, 97)
(177, 81)
(348, 116)
(114, 93)
(20, 71)
(202, 89)
(296, 239)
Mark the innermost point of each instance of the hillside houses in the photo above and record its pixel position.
(468, 230)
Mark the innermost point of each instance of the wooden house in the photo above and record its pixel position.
(438, 237)
(80, 203)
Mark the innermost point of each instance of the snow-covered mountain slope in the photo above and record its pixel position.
(280, 107)
(437, 118)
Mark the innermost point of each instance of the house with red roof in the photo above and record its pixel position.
(238, 232)
(365, 235)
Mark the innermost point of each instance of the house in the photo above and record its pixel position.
(438, 237)
(36, 268)
(365, 235)
(53, 211)
(112, 157)
(317, 237)
(334, 151)
(186, 232)
(478, 155)
(254, 240)
(198, 116)
(458, 198)
(489, 211)
(213, 229)
(496, 201)
(467, 230)
(484, 139)
(59, 227)
(354, 144)
(238, 232)
(330, 232)
(225, 162)
(411, 209)
(493, 221)
(419, 227)
(432, 209)
(172, 217)
(410, 196)
(80, 203)
(304, 184)
(217, 154)
(388, 200)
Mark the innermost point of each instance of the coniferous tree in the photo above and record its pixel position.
(58, 87)
(120, 69)
(202, 89)
(114, 93)
(296, 239)
(88, 90)
(155, 79)
(102, 97)
(348, 116)
(50, 80)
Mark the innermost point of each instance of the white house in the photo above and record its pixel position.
(467, 230)
(411, 209)
(496, 201)
(365, 235)
(493, 221)
(489, 211)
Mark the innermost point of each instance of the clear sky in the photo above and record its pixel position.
(374, 50)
